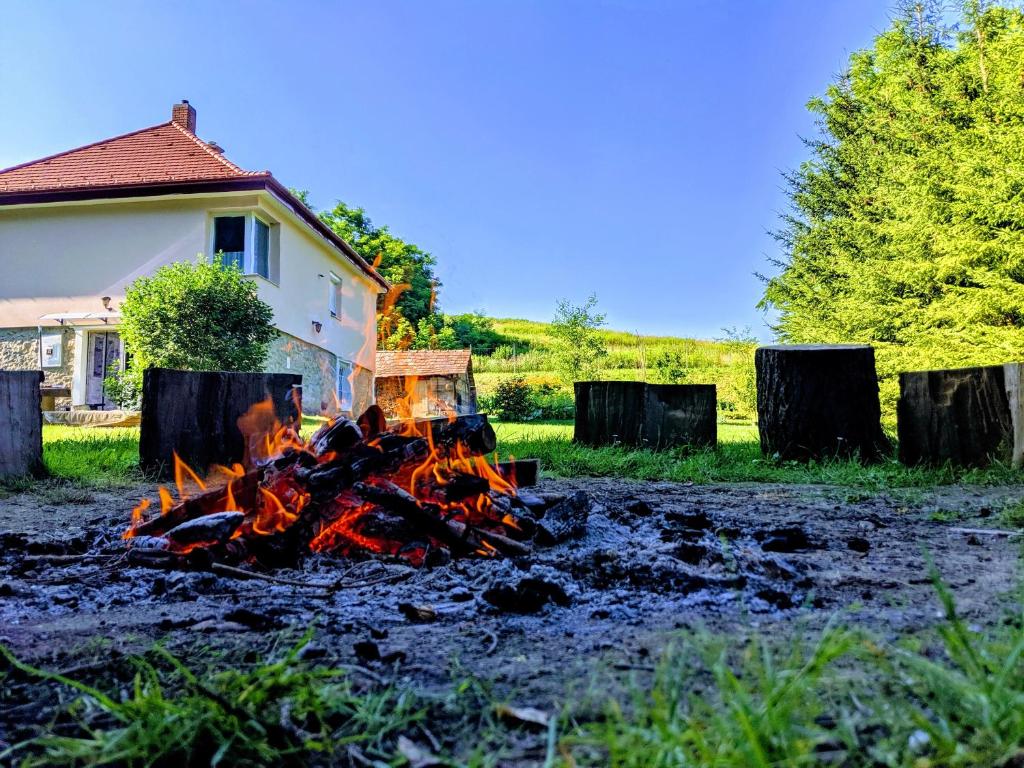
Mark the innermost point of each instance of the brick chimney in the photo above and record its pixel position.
(184, 114)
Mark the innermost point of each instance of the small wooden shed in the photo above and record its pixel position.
(429, 382)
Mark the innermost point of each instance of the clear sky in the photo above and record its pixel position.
(541, 149)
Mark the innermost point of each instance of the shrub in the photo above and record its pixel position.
(513, 400)
(203, 316)
(579, 345)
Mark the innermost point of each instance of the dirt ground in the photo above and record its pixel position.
(656, 557)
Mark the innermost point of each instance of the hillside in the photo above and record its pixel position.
(524, 347)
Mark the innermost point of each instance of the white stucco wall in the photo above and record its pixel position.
(63, 258)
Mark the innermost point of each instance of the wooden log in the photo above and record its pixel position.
(968, 416)
(196, 413)
(680, 414)
(525, 472)
(21, 424)
(819, 402)
(638, 414)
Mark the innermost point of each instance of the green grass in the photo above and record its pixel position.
(737, 458)
(93, 456)
(283, 712)
(950, 696)
(109, 457)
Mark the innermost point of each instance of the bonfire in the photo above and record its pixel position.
(419, 489)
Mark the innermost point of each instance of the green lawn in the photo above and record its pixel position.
(110, 457)
(737, 458)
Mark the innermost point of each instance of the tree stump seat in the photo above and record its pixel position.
(818, 401)
(968, 416)
(642, 415)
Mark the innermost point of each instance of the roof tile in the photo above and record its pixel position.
(160, 154)
(423, 362)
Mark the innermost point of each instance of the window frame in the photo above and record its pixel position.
(334, 303)
(342, 385)
(249, 241)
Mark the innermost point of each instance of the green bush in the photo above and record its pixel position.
(513, 400)
(203, 316)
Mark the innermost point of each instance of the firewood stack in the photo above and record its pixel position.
(421, 491)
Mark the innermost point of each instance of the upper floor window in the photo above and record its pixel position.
(244, 240)
(334, 298)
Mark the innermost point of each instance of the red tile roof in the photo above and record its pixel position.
(166, 158)
(166, 153)
(422, 362)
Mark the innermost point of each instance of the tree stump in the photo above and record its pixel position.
(644, 415)
(21, 423)
(968, 416)
(819, 402)
(196, 413)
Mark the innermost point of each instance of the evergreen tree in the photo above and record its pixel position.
(907, 222)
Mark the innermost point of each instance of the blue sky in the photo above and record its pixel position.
(540, 149)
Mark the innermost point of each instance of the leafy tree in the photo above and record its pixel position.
(406, 266)
(203, 316)
(669, 367)
(579, 347)
(907, 222)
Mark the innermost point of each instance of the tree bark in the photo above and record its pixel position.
(21, 423)
(644, 415)
(969, 416)
(819, 402)
(195, 413)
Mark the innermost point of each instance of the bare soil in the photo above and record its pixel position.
(656, 557)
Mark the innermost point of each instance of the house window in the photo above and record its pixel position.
(244, 241)
(344, 384)
(334, 298)
(229, 240)
(261, 248)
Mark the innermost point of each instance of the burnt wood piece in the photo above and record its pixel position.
(638, 414)
(457, 536)
(21, 423)
(819, 402)
(245, 490)
(968, 416)
(524, 472)
(339, 435)
(471, 430)
(196, 414)
(565, 520)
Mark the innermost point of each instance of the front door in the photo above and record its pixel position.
(104, 360)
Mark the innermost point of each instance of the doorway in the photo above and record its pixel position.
(104, 359)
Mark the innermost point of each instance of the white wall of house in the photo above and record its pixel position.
(63, 258)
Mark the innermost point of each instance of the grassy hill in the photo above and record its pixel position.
(525, 348)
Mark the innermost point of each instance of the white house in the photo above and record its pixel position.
(77, 227)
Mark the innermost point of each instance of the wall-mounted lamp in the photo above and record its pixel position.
(317, 326)
(106, 303)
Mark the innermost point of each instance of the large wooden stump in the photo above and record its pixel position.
(196, 414)
(968, 416)
(819, 402)
(21, 423)
(645, 415)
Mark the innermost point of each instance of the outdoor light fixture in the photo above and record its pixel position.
(317, 326)
(106, 302)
